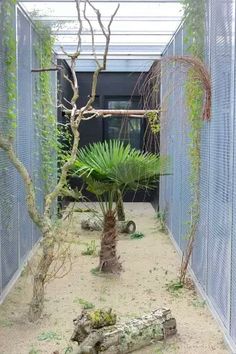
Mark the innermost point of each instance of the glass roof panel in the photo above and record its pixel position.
(143, 27)
(126, 8)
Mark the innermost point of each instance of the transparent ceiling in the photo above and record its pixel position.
(141, 29)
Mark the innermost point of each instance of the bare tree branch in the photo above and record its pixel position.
(114, 112)
(75, 194)
(45, 69)
(80, 24)
(92, 35)
(100, 67)
(7, 146)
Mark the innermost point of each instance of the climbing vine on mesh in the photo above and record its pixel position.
(8, 118)
(9, 54)
(194, 13)
(44, 107)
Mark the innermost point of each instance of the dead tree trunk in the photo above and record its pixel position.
(37, 301)
(109, 262)
(124, 338)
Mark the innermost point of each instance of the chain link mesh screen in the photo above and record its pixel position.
(214, 257)
(17, 233)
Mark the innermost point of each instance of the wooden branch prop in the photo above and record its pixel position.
(94, 336)
(138, 113)
(45, 69)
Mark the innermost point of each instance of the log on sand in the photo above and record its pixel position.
(96, 224)
(110, 338)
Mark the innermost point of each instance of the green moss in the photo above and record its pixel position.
(102, 318)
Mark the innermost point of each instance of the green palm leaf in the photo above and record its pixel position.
(111, 165)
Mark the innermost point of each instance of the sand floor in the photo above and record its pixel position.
(149, 264)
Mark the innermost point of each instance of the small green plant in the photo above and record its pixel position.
(68, 349)
(49, 336)
(174, 287)
(199, 303)
(136, 235)
(35, 351)
(91, 249)
(165, 347)
(95, 271)
(161, 216)
(5, 323)
(86, 305)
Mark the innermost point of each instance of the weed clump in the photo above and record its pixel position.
(136, 235)
(91, 249)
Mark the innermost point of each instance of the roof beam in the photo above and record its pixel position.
(106, 18)
(115, 33)
(119, 54)
(110, 1)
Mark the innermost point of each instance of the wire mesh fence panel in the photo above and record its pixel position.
(17, 232)
(24, 128)
(8, 186)
(185, 163)
(232, 311)
(36, 140)
(213, 259)
(167, 122)
(177, 116)
(199, 257)
(220, 190)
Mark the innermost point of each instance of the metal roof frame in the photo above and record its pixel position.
(110, 1)
(155, 30)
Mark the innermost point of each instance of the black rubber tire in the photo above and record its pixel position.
(130, 227)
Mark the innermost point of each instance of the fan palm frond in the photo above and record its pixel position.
(116, 166)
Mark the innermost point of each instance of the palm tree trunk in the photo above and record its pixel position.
(37, 301)
(109, 262)
(120, 207)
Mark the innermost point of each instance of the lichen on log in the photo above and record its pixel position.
(122, 338)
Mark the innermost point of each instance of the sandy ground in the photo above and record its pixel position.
(149, 264)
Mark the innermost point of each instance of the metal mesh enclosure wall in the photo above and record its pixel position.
(17, 233)
(214, 257)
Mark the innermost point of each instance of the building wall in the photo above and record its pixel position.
(213, 262)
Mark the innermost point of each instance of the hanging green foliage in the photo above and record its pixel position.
(194, 13)
(44, 106)
(154, 121)
(9, 54)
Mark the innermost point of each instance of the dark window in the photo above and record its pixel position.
(125, 129)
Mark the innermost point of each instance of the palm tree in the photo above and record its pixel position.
(109, 169)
